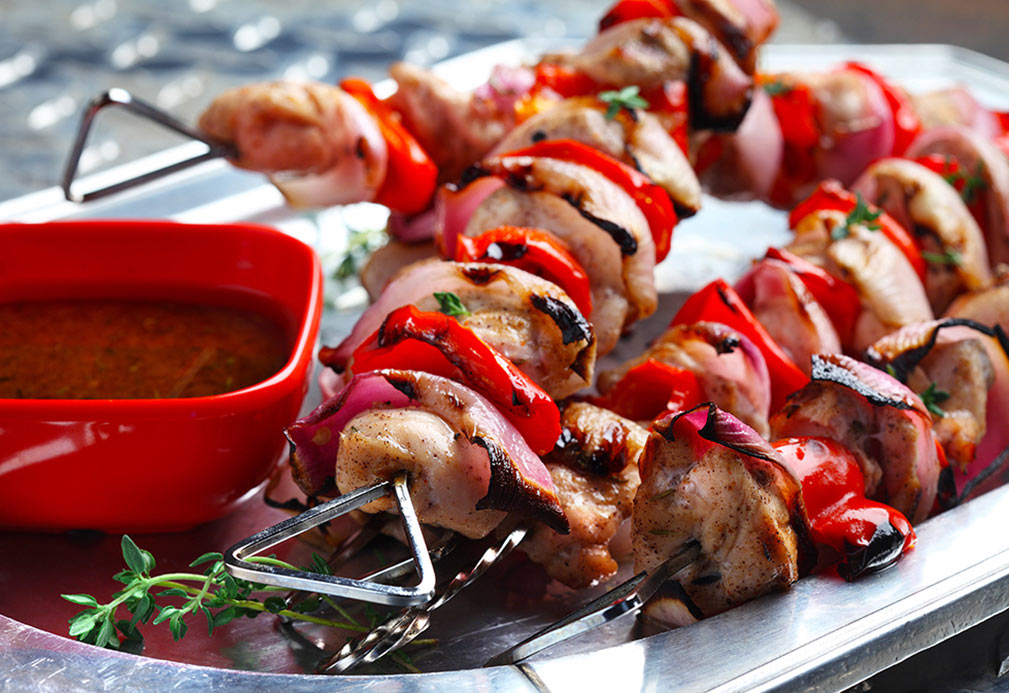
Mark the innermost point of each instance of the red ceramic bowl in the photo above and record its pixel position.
(150, 464)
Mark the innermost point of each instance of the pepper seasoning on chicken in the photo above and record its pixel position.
(707, 477)
(595, 469)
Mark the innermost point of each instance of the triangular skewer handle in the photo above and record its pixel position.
(124, 99)
(236, 563)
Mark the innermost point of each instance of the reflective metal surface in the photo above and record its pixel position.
(823, 634)
(236, 558)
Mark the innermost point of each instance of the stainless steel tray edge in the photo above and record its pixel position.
(823, 634)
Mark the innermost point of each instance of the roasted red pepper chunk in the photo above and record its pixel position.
(651, 389)
(626, 10)
(651, 199)
(906, 124)
(869, 536)
(831, 195)
(719, 302)
(411, 175)
(535, 251)
(436, 343)
(837, 297)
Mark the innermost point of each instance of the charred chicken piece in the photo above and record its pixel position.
(595, 470)
(953, 362)
(988, 168)
(455, 128)
(879, 419)
(891, 293)
(706, 476)
(639, 141)
(320, 146)
(466, 461)
(650, 52)
(603, 227)
(925, 204)
(529, 320)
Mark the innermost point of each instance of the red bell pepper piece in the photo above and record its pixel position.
(535, 251)
(670, 103)
(836, 296)
(564, 80)
(831, 195)
(652, 389)
(719, 302)
(906, 124)
(437, 343)
(626, 10)
(796, 111)
(411, 176)
(868, 535)
(652, 200)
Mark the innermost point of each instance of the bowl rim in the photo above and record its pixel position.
(285, 378)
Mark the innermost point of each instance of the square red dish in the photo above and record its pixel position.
(153, 464)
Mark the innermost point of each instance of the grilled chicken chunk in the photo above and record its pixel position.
(448, 473)
(650, 52)
(529, 320)
(595, 470)
(925, 204)
(455, 128)
(989, 306)
(892, 295)
(603, 227)
(982, 160)
(740, 25)
(884, 423)
(783, 305)
(728, 367)
(739, 503)
(950, 360)
(639, 141)
(383, 264)
(462, 455)
(319, 144)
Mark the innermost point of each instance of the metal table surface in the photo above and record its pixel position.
(53, 58)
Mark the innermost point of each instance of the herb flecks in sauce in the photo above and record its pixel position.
(118, 349)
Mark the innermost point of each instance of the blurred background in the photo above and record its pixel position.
(56, 55)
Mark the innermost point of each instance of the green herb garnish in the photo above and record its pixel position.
(628, 98)
(776, 88)
(972, 182)
(360, 244)
(932, 396)
(215, 594)
(861, 216)
(948, 257)
(450, 304)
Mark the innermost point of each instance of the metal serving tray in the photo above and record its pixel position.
(823, 634)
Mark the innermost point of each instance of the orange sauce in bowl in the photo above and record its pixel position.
(124, 349)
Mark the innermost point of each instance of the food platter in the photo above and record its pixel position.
(823, 633)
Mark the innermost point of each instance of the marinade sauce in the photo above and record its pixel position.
(122, 349)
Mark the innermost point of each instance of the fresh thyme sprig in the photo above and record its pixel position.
(776, 88)
(861, 215)
(972, 182)
(948, 257)
(360, 244)
(628, 97)
(215, 594)
(932, 397)
(450, 304)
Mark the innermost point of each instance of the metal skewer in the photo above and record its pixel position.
(628, 597)
(366, 589)
(124, 99)
(401, 629)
